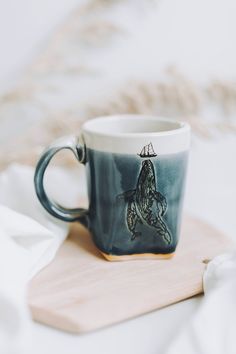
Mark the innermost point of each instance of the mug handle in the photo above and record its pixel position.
(65, 214)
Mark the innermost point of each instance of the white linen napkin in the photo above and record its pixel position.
(29, 239)
(212, 330)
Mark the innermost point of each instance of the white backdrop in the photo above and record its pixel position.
(197, 36)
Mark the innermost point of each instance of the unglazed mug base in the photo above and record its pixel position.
(136, 256)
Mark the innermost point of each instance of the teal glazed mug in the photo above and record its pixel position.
(136, 170)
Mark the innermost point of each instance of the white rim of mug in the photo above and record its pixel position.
(182, 128)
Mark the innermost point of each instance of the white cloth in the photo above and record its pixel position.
(212, 328)
(29, 239)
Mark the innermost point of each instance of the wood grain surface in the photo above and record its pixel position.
(80, 291)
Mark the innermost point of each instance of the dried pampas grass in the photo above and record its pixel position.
(65, 58)
(175, 97)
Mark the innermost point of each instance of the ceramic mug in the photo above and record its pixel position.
(136, 168)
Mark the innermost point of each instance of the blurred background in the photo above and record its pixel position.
(65, 61)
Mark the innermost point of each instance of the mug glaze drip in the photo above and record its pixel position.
(135, 202)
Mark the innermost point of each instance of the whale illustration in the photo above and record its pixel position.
(145, 205)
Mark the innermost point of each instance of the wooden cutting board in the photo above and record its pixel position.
(80, 291)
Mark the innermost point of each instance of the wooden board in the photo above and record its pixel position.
(80, 291)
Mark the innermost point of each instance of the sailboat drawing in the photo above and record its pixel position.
(145, 205)
(147, 151)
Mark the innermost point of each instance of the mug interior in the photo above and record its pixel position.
(131, 125)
